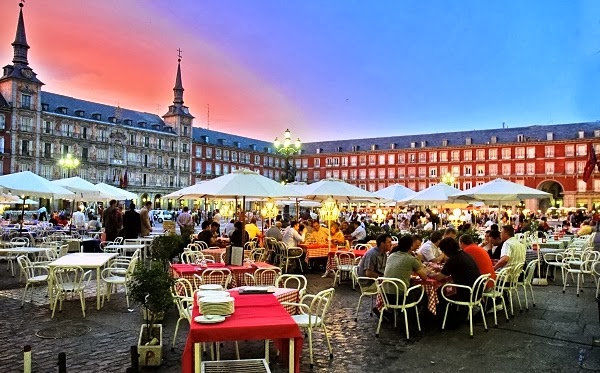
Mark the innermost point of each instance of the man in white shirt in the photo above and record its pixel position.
(513, 252)
(78, 219)
(292, 236)
(430, 250)
(359, 234)
(185, 219)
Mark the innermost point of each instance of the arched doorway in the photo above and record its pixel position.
(144, 198)
(555, 188)
(157, 201)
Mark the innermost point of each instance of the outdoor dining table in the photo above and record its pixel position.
(332, 265)
(126, 248)
(188, 271)
(146, 241)
(84, 260)
(317, 250)
(256, 317)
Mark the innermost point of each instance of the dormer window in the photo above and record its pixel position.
(393, 146)
(319, 150)
(596, 133)
(45, 107)
(355, 148)
(127, 122)
(221, 141)
(236, 144)
(340, 149)
(80, 113)
(520, 138)
(445, 142)
(468, 141)
(580, 134)
(61, 110)
(423, 144)
(142, 124)
(494, 139)
(413, 144)
(253, 147)
(97, 116)
(112, 119)
(374, 147)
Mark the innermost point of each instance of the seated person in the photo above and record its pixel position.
(251, 228)
(416, 244)
(430, 250)
(373, 262)
(293, 234)
(337, 237)
(34, 219)
(480, 256)
(513, 251)
(236, 237)
(359, 234)
(62, 220)
(206, 234)
(275, 231)
(318, 234)
(495, 245)
(401, 265)
(93, 224)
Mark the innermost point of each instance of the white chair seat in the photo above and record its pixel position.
(40, 278)
(303, 320)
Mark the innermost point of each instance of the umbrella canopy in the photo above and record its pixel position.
(395, 193)
(28, 201)
(437, 194)
(338, 190)
(29, 184)
(116, 193)
(82, 188)
(185, 191)
(501, 190)
(240, 183)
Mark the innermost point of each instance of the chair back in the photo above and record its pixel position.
(201, 245)
(298, 282)
(502, 277)
(392, 291)
(118, 241)
(362, 246)
(344, 259)
(364, 283)
(183, 288)
(320, 304)
(70, 278)
(216, 276)
(479, 287)
(191, 257)
(26, 266)
(256, 254)
(266, 276)
(529, 271)
(63, 250)
(20, 239)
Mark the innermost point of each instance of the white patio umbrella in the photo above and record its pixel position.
(500, 190)
(116, 193)
(339, 190)
(29, 184)
(395, 193)
(183, 192)
(28, 201)
(82, 188)
(437, 194)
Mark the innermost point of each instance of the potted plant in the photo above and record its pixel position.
(150, 286)
(166, 247)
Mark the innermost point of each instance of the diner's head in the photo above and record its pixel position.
(186, 209)
(300, 228)
(294, 224)
(205, 224)
(132, 206)
(436, 237)
(335, 227)
(34, 216)
(216, 211)
(450, 232)
(315, 225)
(345, 225)
(404, 244)
(495, 238)
(384, 242)
(449, 246)
(214, 226)
(494, 227)
(238, 225)
(465, 240)
(253, 221)
(278, 224)
(416, 242)
(507, 232)
(113, 202)
(148, 204)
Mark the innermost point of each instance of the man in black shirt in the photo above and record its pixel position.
(206, 235)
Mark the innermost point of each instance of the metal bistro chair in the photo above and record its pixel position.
(114, 277)
(290, 254)
(498, 292)
(215, 276)
(475, 296)
(528, 274)
(367, 288)
(396, 288)
(344, 262)
(262, 277)
(35, 273)
(69, 280)
(183, 297)
(581, 267)
(298, 282)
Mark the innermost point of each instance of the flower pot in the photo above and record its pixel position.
(150, 355)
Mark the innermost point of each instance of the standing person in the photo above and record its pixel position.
(185, 219)
(112, 221)
(79, 219)
(146, 223)
(132, 222)
(217, 219)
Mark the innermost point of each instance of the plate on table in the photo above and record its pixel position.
(212, 319)
(212, 293)
(210, 287)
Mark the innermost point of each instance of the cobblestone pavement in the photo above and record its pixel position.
(560, 334)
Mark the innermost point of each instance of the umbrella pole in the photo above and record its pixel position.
(243, 219)
(22, 217)
(297, 210)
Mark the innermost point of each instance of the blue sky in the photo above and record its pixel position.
(326, 69)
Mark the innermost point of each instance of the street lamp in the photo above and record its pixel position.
(448, 178)
(287, 149)
(378, 216)
(330, 212)
(69, 162)
(269, 210)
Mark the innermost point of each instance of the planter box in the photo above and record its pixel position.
(150, 355)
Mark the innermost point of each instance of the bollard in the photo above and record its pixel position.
(135, 360)
(27, 359)
(62, 362)
(598, 300)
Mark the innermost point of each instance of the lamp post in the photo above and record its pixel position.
(68, 162)
(329, 211)
(379, 216)
(287, 149)
(269, 211)
(448, 178)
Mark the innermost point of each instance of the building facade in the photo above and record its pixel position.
(142, 152)
(550, 158)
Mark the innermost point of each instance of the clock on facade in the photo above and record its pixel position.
(26, 73)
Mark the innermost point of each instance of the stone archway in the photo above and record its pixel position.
(157, 199)
(556, 190)
(144, 198)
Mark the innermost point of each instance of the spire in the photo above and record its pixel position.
(20, 45)
(178, 89)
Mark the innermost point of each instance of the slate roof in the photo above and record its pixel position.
(55, 101)
(3, 102)
(478, 137)
(229, 140)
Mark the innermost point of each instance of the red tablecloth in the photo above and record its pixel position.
(256, 317)
(188, 271)
(285, 295)
(332, 266)
(317, 250)
(430, 286)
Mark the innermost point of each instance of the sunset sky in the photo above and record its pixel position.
(334, 69)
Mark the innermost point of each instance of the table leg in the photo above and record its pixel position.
(98, 288)
(267, 350)
(292, 360)
(51, 286)
(197, 358)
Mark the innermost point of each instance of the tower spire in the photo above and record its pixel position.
(178, 89)
(20, 45)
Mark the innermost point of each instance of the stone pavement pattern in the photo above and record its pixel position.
(556, 336)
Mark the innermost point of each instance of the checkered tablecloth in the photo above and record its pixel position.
(188, 271)
(285, 295)
(215, 253)
(430, 287)
(317, 251)
(332, 265)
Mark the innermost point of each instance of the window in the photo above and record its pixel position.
(411, 172)
(581, 186)
(172, 145)
(336, 174)
(432, 171)
(401, 158)
(328, 174)
(344, 175)
(422, 171)
(159, 162)
(353, 161)
(234, 158)
(401, 172)
(2, 122)
(344, 162)
(443, 170)
(569, 168)
(549, 151)
(520, 168)
(569, 150)
(24, 147)
(84, 154)
(362, 174)
(391, 173)
(381, 173)
(480, 170)
(519, 153)
(506, 153)
(581, 149)
(381, 159)
(317, 162)
(467, 171)
(185, 130)
(493, 169)
(48, 126)
(391, 159)
(467, 185)
(26, 124)
(493, 154)
(226, 156)
(84, 133)
(208, 167)
(455, 156)
(160, 144)
(47, 150)
(316, 175)
(372, 159)
(549, 166)
(304, 162)
(209, 152)
(184, 148)
(422, 157)
(468, 155)
(596, 185)
(353, 174)
(456, 171)
(172, 163)
(412, 158)
(506, 169)
(443, 156)
(25, 101)
(217, 157)
(530, 168)
(433, 157)
(371, 174)
(480, 156)
(531, 152)
(217, 169)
